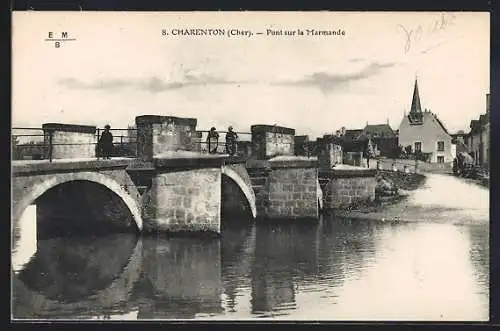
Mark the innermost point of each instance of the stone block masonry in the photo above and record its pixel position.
(185, 200)
(293, 190)
(69, 140)
(269, 141)
(159, 134)
(349, 187)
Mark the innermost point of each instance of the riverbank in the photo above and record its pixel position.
(430, 203)
(392, 188)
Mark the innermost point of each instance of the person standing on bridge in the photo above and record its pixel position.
(231, 138)
(106, 142)
(212, 140)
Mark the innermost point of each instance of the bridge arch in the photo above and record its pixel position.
(245, 187)
(33, 192)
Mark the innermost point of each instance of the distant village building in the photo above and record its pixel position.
(478, 139)
(425, 133)
(458, 140)
(352, 147)
(384, 139)
(329, 151)
(301, 145)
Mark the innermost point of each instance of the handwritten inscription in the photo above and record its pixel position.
(416, 34)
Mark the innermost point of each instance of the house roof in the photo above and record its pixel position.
(439, 122)
(381, 130)
(353, 134)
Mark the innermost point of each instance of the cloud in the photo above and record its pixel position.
(101, 84)
(153, 84)
(357, 59)
(328, 82)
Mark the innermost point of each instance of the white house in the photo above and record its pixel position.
(424, 132)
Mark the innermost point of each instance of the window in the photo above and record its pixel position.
(418, 146)
(440, 159)
(440, 146)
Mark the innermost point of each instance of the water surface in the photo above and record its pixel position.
(434, 268)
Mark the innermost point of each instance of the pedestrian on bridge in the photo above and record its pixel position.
(231, 138)
(212, 140)
(106, 142)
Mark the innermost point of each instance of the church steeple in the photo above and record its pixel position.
(415, 102)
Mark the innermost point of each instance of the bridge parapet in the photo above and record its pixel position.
(160, 134)
(69, 140)
(270, 140)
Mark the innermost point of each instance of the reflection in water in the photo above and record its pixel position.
(68, 272)
(181, 277)
(422, 272)
(479, 254)
(331, 270)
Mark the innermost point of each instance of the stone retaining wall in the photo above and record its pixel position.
(348, 187)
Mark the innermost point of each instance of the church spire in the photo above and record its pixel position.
(415, 102)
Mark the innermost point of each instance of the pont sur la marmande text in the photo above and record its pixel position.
(218, 32)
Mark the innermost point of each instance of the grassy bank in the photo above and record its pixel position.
(400, 184)
(403, 181)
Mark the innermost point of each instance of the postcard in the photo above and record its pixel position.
(306, 166)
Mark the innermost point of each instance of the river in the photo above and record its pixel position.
(429, 263)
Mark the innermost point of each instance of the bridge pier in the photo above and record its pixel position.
(183, 186)
(293, 188)
(184, 200)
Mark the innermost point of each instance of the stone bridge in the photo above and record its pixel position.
(178, 193)
(171, 186)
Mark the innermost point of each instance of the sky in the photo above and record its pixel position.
(121, 66)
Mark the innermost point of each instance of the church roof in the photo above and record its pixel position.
(415, 102)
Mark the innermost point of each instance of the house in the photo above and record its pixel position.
(352, 143)
(478, 139)
(329, 151)
(425, 133)
(301, 145)
(458, 141)
(383, 137)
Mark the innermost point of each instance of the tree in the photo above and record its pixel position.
(408, 150)
(396, 152)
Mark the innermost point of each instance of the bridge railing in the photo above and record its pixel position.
(124, 142)
(29, 144)
(37, 144)
(220, 146)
